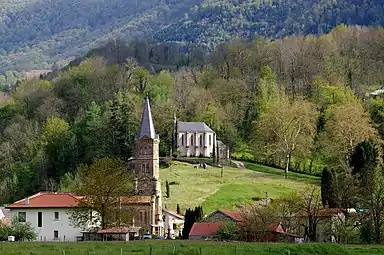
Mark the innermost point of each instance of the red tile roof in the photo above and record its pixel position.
(234, 215)
(205, 228)
(47, 200)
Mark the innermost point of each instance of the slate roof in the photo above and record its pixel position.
(47, 200)
(220, 143)
(193, 127)
(147, 129)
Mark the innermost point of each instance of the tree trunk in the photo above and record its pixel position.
(287, 165)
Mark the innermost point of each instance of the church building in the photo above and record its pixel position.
(145, 169)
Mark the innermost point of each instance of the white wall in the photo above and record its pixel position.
(168, 224)
(196, 149)
(49, 225)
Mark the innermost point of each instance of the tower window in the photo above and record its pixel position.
(147, 169)
(143, 168)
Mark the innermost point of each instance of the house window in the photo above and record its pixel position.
(210, 141)
(22, 216)
(39, 219)
(174, 226)
(56, 216)
(55, 234)
(147, 169)
(182, 140)
(201, 140)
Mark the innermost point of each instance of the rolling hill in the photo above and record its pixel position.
(237, 187)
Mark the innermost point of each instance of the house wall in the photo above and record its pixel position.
(170, 220)
(49, 224)
(195, 144)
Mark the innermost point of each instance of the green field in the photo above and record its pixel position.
(182, 248)
(237, 187)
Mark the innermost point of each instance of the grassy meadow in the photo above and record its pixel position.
(235, 189)
(156, 247)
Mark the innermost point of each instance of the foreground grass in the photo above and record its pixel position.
(280, 172)
(182, 248)
(235, 189)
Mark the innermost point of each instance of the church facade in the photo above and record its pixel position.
(147, 199)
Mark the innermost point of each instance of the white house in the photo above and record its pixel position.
(173, 224)
(48, 214)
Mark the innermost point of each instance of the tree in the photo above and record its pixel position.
(227, 231)
(347, 126)
(285, 129)
(191, 216)
(178, 211)
(101, 184)
(167, 189)
(364, 160)
(326, 187)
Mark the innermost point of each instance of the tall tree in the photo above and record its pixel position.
(101, 186)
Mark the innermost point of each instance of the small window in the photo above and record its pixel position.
(39, 219)
(201, 140)
(210, 141)
(22, 216)
(182, 140)
(55, 234)
(147, 169)
(141, 216)
(174, 226)
(143, 168)
(56, 216)
(191, 140)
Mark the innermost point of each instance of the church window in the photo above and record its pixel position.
(210, 141)
(141, 216)
(143, 168)
(145, 217)
(201, 140)
(191, 140)
(182, 140)
(147, 169)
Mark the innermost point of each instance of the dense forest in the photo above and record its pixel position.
(297, 103)
(45, 34)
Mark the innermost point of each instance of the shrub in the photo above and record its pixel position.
(228, 231)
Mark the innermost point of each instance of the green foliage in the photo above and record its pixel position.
(190, 217)
(21, 231)
(326, 188)
(228, 231)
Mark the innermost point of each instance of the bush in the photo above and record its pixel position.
(228, 231)
(21, 231)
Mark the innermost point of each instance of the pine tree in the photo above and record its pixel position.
(326, 186)
(167, 189)
(178, 209)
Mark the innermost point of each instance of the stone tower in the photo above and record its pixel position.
(146, 165)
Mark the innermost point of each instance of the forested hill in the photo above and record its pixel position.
(215, 21)
(46, 34)
(41, 34)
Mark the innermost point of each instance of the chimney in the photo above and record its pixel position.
(27, 201)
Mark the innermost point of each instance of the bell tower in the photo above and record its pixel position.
(146, 165)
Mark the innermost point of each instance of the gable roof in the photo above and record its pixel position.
(205, 228)
(236, 216)
(147, 129)
(276, 227)
(193, 127)
(47, 200)
(220, 143)
(181, 217)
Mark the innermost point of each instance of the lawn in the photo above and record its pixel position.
(235, 189)
(182, 248)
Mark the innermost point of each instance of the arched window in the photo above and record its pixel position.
(191, 140)
(201, 140)
(143, 168)
(147, 169)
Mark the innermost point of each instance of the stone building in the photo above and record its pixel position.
(145, 169)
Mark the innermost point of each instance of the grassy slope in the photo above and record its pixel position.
(185, 248)
(237, 187)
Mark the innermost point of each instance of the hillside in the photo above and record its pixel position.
(237, 187)
(216, 21)
(44, 34)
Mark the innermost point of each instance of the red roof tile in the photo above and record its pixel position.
(47, 200)
(205, 228)
(234, 215)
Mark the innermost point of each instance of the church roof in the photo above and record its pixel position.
(193, 127)
(146, 126)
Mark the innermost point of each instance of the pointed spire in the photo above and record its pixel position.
(146, 126)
